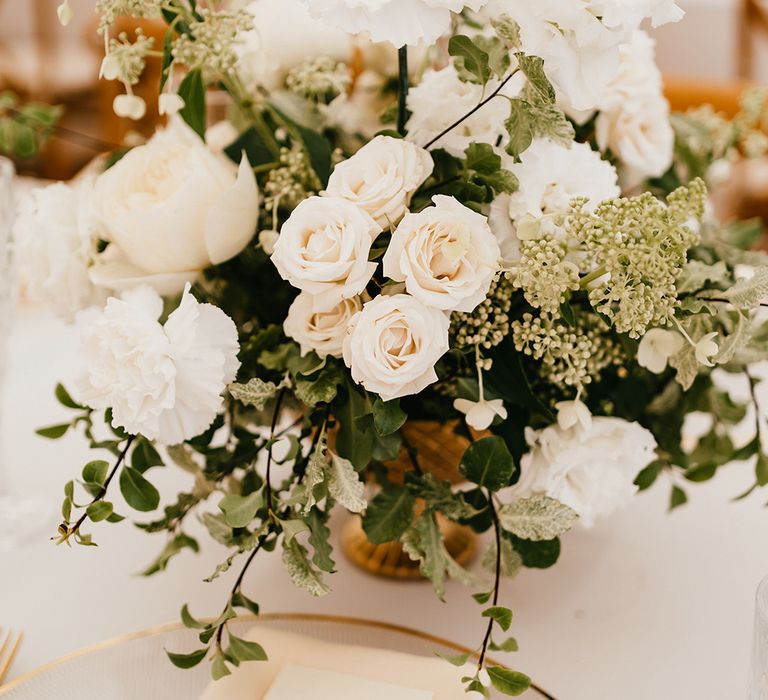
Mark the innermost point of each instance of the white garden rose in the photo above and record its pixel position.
(591, 469)
(55, 245)
(161, 381)
(399, 22)
(323, 249)
(170, 209)
(321, 331)
(382, 177)
(446, 254)
(442, 98)
(392, 345)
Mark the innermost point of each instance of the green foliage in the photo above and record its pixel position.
(174, 546)
(192, 91)
(488, 463)
(25, 127)
(316, 146)
(501, 615)
(300, 569)
(255, 392)
(239, 511)
(507, 681)
(536, 518)
(471, 61)
(536, 555)
(389, 514)
(137, 491)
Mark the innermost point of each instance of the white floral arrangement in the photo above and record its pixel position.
(501, 229)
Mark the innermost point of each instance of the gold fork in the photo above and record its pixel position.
(9, 647)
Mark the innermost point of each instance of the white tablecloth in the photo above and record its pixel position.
(645, 605)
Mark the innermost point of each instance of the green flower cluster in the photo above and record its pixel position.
(321, 78)
(488, 324)
(292, 182)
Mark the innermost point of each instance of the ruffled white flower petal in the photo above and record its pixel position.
(656, 347)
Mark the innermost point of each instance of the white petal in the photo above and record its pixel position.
(120, 276)
(129, 106)
(170, 103)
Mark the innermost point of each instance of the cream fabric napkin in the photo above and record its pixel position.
(252, 679)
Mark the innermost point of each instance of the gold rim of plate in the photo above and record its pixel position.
(267, 617)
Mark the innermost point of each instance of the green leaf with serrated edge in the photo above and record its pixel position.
(455, 659)
(239, 511)
(53, 432)
(345, 485)
(520, 126)
(99, 510)
(239, 600)
(388, 515)
(488, 462)
(192, 91)
(677, 498)
(508, 645)
(533, 68)
(482, 598)
(472, 59)
(507, 681)
(256, 392)
(95, 472)
(137, 491)
(501, 615)
(301, 571)
(537, 518)
(189, 621)
(245, 650)
(186, 661)
(63, 397)
(388, 417)
(320, 540)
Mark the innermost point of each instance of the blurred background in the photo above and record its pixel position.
(719, 48)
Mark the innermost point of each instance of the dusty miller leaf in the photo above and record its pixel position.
(345, 486)
(746, 293)
(315, 474)
(300, 569)
(255, 393)
(537, 518)
(696, 274)
(735, 340)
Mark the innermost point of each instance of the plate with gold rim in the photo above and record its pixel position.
(135, 667)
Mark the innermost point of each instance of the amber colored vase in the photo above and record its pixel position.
(439, 451)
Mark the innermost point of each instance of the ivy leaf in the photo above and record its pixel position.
(536, 555)
(488, 462)
(502, 616)
(321, 389)
(389, 515)
(345, 485)
(533, 68)
(137, 491)
(470, 57)
(482, 598)
(519, 124)
(245, 650)
(186, 661)
(192, 91)
(256, 392)
(300, 569)
(388, 417)
(537, 518)
(239, 511)
(507, 681)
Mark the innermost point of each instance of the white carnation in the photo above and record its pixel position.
(323, 249)
(55, 245)
(446, 255)
(399, 22)
(171, 208)
(382, 177)
(321, 331)
(441, 98)
(591, 469)
(393, 344)
(161, 381)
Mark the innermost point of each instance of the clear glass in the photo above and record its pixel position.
(758, 678)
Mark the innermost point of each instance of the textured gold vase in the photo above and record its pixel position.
(439, 452)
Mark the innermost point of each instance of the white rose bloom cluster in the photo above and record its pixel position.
(169, 209)
(55, 246)
(399, 22)
(633, 119)
(161, 381)
(580, 40)
(588, 463)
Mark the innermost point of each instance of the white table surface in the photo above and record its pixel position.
(645, 605)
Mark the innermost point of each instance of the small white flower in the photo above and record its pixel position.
(65, 13)
(382, 177)
(321, 331)
(170, 103)
(129, 107)
(656, 347)
(706, 348)
(161, 381)
(392, 345)
(480, 414)
(323, 249)
(110, 68)
(573, 413)
(267, 240)
(446, 255)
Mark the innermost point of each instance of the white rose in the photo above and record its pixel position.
(55, 245)
(321, 331)
(446, 255)
(441, 98)
(591, 469)
(170, 209)
(393, 344)
(323, 249)
(382, 177)
(163, 382)
(399, 22)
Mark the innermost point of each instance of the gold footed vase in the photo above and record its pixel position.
(439, 453)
